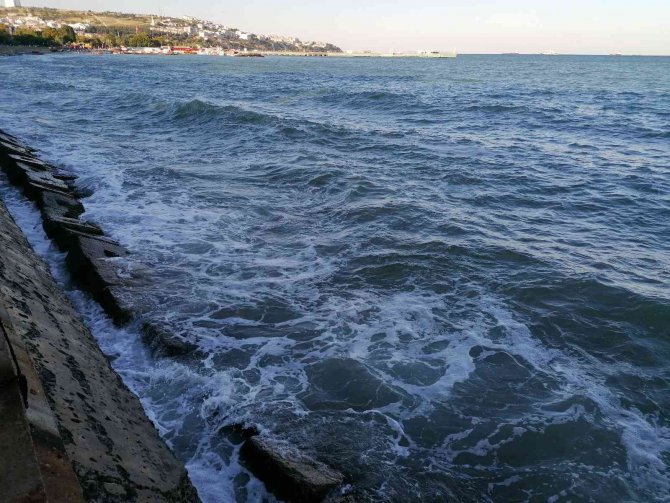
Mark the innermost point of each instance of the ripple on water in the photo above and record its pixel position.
(446, 278)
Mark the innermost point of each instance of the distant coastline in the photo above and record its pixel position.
(107, 30)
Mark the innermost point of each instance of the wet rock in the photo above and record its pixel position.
(30, 161)
(15, 148)
(66, 177)
(53, 204)
(344, 383)
(238, 433)
(6, 137)
(118, 305)
(163, 340)
(82, 192)
(287, 472)
(340, 499)
(43, 178)
(89, 261)
(64, 230)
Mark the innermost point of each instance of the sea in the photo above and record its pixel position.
(448, 279)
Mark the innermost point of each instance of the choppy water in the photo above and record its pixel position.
(445, 278)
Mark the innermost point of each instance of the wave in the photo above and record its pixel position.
(495, 108)
(380, 100)
(198, 111)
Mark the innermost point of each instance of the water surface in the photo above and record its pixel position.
(446, 278)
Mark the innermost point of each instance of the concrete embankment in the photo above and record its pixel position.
(97, 422)
(74, 429)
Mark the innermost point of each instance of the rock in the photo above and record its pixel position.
(54, 204)
(6, 137)
(163, 340)
(12, 147)
(64, 231)
(348, 498)
(43, 178)
(89, 262)
(239, 433)
(288, 473)
(32, 162)
(115, 489)
(118, 305)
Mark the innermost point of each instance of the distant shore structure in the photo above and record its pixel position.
(12, 3)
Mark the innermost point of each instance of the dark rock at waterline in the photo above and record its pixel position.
(31, 162)
(63, 229)
(238, 433)
(340, 499)
(287, 472)
(344, 383)
(90, 254)
(118, 304)
(89, 258)
(43, 178)
(59, 205)
(19, 149)
(163, 340)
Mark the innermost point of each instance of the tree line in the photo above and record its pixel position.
(46, 37)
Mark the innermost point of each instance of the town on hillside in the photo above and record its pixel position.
(139, 33)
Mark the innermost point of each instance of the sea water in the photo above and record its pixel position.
(444, 278)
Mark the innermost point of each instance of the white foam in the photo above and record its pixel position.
(167, 390)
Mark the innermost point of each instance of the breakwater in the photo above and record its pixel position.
(91, 259)
(89, 436)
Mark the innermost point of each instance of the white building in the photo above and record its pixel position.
(12, 3)
(79, 27)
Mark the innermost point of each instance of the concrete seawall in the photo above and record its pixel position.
(74, 429)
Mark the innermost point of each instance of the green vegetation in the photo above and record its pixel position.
(108, 19)
(48, 37)
(115, 29)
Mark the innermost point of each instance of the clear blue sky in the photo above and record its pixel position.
(483, 26)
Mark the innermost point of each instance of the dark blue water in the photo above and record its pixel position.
(446, 278)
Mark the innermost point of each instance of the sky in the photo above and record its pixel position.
(474, 26)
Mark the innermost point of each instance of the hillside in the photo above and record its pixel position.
(116, 28)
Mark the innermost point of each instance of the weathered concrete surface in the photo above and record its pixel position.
(30, 433)
(20, 476)
(289, 473)
(75, 397)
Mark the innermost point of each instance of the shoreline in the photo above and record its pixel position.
(90, 261)
(90, 437)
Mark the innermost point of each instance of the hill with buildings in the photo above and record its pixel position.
(113, 29)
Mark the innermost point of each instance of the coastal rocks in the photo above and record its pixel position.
(287, 472)
(163, 340)
(82, 417)
(90, 255)
(55, 205)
